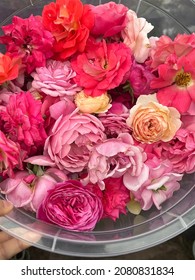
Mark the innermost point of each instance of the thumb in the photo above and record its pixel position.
(5, 207)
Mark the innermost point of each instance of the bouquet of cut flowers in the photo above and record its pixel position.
(97, 118)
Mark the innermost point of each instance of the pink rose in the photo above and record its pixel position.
(71, 206)
(10, 156)
(160, 185)
(28, 190)
(135, 36)
(114, 158)
(103, 66)
(71, 140)
(110, 19)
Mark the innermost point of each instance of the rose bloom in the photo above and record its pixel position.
(135, 36)
(103, 66)
(89, 104)
(176, 82)
(70, 22)
(71, 140)
(159, 187)
(10, 156)
(9, 68)
(112, 23)
(151, 121)
(113, 158)
(27, 39)
(55, 79)
(28, 190)
(22, 121)
(71, 206)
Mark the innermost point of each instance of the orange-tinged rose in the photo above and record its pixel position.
(9, 68)
(151, 121)
(88, 104)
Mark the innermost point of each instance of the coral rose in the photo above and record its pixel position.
(71, 206)
(151, 121)
(89, 104)
(9, 68)
(102, 66)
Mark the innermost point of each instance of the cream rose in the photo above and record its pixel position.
(151, 121)
(89, 104)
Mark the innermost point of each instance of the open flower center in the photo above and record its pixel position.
(183, 79)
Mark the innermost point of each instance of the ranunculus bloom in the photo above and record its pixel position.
(71, 206)
(28, 190)
(55, 79)
(135, 36)
(70, 22)
(27, 39)
(9, 68)
(102, 66)
(159, 187)
(89, 104)
(151, 121)
(71, 140)
(113, 158)
(176, 82)
(10, 155)
(23, 123)
(110, 19)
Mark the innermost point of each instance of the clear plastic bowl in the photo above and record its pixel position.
(130, 233)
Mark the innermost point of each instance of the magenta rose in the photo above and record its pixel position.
(103, 66)
(71, 206)
(110, 19)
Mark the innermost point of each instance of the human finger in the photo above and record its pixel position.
(5, 207)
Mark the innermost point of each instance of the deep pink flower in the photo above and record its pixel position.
(102, 66)
(55, 79)
(28, 190)
(114, 158)
(71, 206)
(26, 38)
(10, 156)
(160, 185)
(110, 19)
(23, 123)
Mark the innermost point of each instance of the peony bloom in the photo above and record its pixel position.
(10, 156)
(55, 79)
(9, 68)
(27, 39)
(70, 23)
(71, 206)
(28, 190)
(135, 36)
(140, 78)
(23, 123)
(151, 121)
(89, 104)
(102, 66)
(71, 140)
(176, 82)
(112, 23)
(113, 158)
(159, 187)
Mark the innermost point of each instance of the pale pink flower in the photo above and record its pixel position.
(160, 185)
(103, 66)
(151, 121)
(55, 79)
(71, 206)
(28, 190)
(27, 39)
(135, 36)
(11, 156)
(22, 121)
(110, 19)
(113, 158)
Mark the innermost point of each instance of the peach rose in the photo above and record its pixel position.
(89, 104)
(151, 121)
